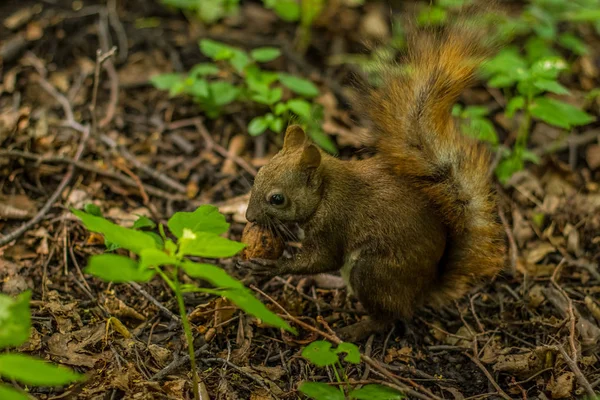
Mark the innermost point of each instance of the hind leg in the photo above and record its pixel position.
(389, 292)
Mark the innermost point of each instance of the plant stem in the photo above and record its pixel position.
(523, 133)
(337, 376)
(188, 334)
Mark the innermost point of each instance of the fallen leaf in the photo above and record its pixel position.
(562, 386)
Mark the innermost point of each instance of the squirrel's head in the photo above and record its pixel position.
(288, 188)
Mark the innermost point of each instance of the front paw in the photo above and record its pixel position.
(260, 266)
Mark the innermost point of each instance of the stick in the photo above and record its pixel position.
(334, 339)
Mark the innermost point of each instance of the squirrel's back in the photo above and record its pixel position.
(416, 137)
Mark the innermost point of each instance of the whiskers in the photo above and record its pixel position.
(280, 230)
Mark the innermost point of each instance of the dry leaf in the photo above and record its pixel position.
(562, 387)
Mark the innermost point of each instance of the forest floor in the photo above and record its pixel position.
(531, 333)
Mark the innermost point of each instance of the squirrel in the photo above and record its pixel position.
(416, 224)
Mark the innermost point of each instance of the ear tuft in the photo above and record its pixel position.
(294, 137)
(311, 157)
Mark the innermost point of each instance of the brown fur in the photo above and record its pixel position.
(417, 221)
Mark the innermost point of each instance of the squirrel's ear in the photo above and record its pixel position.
(311, 157)
(294, 137)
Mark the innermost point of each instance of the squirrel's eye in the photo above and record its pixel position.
(277, 199)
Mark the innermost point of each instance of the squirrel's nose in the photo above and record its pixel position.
(250, 214)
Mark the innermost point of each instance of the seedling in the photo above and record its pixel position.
(321, 354)
(533, 81)
(15, 326)
(196, 234)
(248, 83)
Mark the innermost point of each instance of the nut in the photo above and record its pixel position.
(261, 243)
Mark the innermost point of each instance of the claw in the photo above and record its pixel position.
(260, 266)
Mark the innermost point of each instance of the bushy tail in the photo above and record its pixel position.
(415, 133)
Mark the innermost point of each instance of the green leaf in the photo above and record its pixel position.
(322, 140)
(215, 50)
(480, 129)
(320, 353)
(321, 391)
(205, 218)
(475, 111)
(432, 16)
(506, 168)
(204, 69)
(583, 15)
(197, 88)
(165, 81)
(32, 371)
(143, 222)
(502, 81)
(276, 125)
(265, 54)
(288, 10)
(376, 392)
(207, 245)
(250, 304)
(117, 269)
(558, 113)
(516, 103)
(504, 62)
(211, 273)
(300, 107)
(257, 125)
(93, 209)
(269, 96)
(280, 108)
(531, 157)
(548, 68)
(537, 48)
(550, 86)
(15, 319)
(8, 393)
(573, 43)
(297, 85)
(352, 353)
(223, 93)
(155, 258)
(129, 239)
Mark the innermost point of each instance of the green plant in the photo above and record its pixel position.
(321, 354)
(552, 23)
(208, 11)
(533, 81)
(438, 13)
(473, 122)
(197, 234)
(15, 326)
(210, 85)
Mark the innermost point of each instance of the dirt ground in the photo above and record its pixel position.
(532, 333)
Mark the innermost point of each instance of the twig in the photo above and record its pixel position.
(479, 324)
(511, 241)
(113, 77)
(223, 151)
(176, 363)
(377, 367)
(157, 303)
(87, 167)
(571, 140)
(483, 369)
(101, 58)
(85, 134)
(571, 314)
(240, 370)
(164, 179)
(115, 22)
(575, 369)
